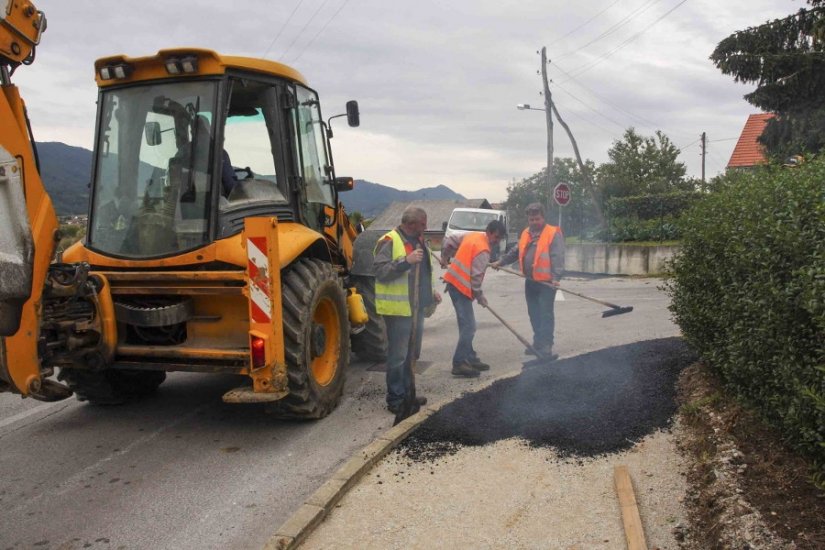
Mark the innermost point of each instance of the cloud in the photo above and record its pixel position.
(437, 81)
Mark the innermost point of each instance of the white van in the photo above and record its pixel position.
(464, 220)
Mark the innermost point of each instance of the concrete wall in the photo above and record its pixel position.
(617, 259)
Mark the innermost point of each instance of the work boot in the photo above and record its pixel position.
(546, 352)
(465, 369)
(478, 364)
(395, 407)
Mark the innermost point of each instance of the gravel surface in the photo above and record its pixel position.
(528, 461)
(509, 495)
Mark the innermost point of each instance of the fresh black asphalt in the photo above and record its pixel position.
(591, 404)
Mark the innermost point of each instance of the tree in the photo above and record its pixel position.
(785, 58)
(578, 215)
(642, 165)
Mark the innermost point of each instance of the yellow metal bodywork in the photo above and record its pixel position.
(294, 238)
(268, 325)
(22, 361)
(209, 63)
(222, 326)
(20, 28)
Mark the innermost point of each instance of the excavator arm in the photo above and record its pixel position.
(28, 224)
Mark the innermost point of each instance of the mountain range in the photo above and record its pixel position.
(66, 170)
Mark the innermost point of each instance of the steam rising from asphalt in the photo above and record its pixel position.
(592, 404)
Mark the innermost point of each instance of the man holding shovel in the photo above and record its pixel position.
(540, 254)
(470, 255)
(403, 289)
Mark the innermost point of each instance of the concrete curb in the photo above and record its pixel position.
(298, 527)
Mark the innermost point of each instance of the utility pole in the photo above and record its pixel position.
(704, 151)
(548, 102)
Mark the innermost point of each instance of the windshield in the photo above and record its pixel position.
(152, 191)
(471, 221)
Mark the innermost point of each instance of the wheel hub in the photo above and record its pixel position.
(319, 340)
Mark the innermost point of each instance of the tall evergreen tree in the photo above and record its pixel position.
(785, 58)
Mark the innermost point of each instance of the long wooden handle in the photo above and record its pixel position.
(608, 304)
(521, 338)
(416, 295)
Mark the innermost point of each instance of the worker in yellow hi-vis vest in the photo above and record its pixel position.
(398, 255)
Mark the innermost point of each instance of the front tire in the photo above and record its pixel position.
(316, 339)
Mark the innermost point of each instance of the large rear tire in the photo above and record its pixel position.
(371, 343)
(316, 342)
(111, 387)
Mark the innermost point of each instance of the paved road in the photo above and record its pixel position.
(183, 470)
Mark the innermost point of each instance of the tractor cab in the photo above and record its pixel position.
(189, 143)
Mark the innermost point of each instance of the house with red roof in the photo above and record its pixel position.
(748, 151)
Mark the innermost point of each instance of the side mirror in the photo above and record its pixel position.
(152, 132)
(444, 227)
(353, 115)
(344, 184)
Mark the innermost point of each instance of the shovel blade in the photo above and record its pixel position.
(617, 311)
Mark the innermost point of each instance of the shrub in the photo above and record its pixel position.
(647, 207)
(647, 217)
(748, 291)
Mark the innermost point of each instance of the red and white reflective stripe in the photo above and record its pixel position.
(259, 282)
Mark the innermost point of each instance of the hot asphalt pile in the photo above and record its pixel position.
(588, 405)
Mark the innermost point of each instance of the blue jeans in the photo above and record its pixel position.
(466, 326)
(399, 356)
(541, 299)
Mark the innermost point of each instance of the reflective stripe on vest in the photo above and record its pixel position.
(459, 273)
(541, 259)
(393, 297)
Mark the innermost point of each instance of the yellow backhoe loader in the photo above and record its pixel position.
(216, 242)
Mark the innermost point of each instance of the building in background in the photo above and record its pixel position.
(748, 152)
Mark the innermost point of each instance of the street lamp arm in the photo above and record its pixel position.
(526, 107)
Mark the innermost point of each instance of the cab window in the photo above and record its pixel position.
(312, 154)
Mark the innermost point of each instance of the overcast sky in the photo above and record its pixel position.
(437, 81)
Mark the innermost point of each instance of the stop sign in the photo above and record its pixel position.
(561, 194)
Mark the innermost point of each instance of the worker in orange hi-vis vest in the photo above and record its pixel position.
(540, 254)
(470, 254)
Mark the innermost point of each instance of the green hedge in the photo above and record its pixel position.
(648, 207)
(646, 217)
(748, 291)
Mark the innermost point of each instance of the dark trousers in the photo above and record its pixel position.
(399, 355)
(540, 302)
(466, 326)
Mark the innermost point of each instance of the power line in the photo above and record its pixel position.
(288, 19)
(592, 123)
(620, 125)
(613, 28)
(608, 102)
(341, 7)
(556, 41)
(691, 143)
(301, 32)
(598, 60)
